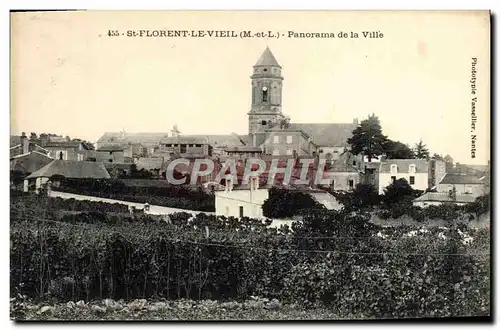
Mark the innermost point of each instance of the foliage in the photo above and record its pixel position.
(286, 203)
(397, 150)
(421, 151)
(182, 197)
(398, 191)
(367, 138)
(362, 196)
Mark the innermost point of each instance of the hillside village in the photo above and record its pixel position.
(38, 160)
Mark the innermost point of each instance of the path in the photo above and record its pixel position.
(153, 209)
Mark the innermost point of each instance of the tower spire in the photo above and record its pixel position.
(267, 59)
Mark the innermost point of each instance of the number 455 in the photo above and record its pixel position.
(113, 33)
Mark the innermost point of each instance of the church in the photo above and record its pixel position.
(270, 132)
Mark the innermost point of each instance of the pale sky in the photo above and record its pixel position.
(69, 77)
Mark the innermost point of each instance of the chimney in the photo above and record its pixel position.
(229, 183)
(355, 121)
(25, 143)
(254, 180)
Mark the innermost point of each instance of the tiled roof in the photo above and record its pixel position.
(244, 149)
(72, 169)
(444, 197)
(422, 165)
(267, 59)
(142, 138)
(460, 179)
(30, 162)
(222, 140)
(334, 135)
(63, 144)
(110, 147)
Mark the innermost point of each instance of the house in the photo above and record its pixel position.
(110, 153)
(67, 150)
(438, 198)
(463, 184)
(241, 201)
(344, 173)
(29, 162)
(154, 165)
(119, 170)
(421, 174)
(22, 145)
(67, 169)
(136, 144)
(243, 152)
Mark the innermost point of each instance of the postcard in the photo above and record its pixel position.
(250, 165)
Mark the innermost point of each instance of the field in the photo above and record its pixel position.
(331, 265)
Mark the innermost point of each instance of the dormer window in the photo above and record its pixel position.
(394, 168)
(413, 168)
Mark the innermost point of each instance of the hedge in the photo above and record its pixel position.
(368, 272)
(168, 196)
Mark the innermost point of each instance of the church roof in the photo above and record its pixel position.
(267, 59)
(333, 135)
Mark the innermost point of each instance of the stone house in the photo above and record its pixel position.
(463, 184)
(110, 154)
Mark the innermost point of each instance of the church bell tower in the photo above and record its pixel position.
(267, 84)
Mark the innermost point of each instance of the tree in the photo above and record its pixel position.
(398, 191)
(397, 150)
(367, 138)
(438, 157)
(421, 151)
(363, 195)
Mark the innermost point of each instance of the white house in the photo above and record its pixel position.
(463, 184)
(241, 201)
(415, 171)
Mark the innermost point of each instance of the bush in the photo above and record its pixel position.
(286, 203)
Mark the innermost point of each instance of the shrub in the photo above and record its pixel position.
(286, 203)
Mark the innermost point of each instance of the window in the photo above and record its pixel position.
(276, 139)
(412, 180)
(289, 139)
(111, 152)
(320, 151)
(353, 163)
(183, 148)
(289, 151)
(393, 178)
(227, 211)
(110, 160)
(468, 189)
(264, 123)
(264, 94)
(61, 156)
(351, 184)
(198, 145)
(335, 151)
(241, 211)
(394, 168)
(412, 168)
(80, 157)
(276, 151)
(265, 70)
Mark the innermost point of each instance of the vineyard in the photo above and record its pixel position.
(331, 261)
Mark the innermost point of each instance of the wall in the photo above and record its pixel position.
(475, 189)
(341, 179)
(425, 204)
(228, 203)
(335, 152)
(106, 156)
(298, 143)
(421, 180)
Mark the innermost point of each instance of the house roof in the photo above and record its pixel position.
(125, 137)
(422, 165)
(29, 162)
(185, 139)
(243, 149)
(444, 197)
(149, 163)
(450, 178)
(334, 135)
(110, 147)
(63, 144)
(222, 140)
(267, 59)
(72, 169)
